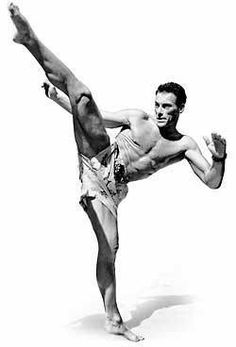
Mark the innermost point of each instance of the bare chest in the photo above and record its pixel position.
(146, 134)
(152, 145)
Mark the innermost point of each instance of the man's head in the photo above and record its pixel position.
(169, 103)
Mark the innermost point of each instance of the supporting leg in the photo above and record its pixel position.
(90, 134)
(105, 227)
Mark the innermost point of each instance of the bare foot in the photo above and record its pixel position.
(120, 329)
(24, 33)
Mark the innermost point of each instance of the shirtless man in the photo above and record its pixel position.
(145, 144)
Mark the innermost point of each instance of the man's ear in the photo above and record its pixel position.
(181, 108)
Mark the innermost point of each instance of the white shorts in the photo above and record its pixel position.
(101, 180)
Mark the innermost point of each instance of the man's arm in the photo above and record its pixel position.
(210, 174)
(110, 119)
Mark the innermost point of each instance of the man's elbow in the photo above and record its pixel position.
(213, 184)
(212, 180)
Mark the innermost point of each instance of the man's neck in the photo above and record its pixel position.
(170, 133)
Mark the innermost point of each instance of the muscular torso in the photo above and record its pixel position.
(144, 151)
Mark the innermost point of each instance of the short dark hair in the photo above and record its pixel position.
(176, 89)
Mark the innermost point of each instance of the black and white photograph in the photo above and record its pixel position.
(118, 173)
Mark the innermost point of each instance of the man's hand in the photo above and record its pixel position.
(61, 99)
(50, 90)
(217, 145)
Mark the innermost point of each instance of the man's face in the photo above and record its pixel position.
(166, 110)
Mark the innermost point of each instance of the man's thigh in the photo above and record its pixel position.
(104, 224)
(90, 133)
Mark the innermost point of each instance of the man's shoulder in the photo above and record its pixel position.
(188, 142)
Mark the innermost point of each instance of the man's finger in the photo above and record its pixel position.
(46, 88)
(224, 140)
(214, 136)
(207, 140)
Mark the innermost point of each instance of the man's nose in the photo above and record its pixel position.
(159, 111)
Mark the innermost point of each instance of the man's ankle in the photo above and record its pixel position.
(114, 318)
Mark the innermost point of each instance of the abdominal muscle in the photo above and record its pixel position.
(145, 167)
(141, 164)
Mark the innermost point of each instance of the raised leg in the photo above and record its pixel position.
(90, 134)
(105, 227)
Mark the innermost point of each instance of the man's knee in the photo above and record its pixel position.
(114, 246)
(105, 273)
(107, 253)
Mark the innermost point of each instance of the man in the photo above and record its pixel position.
(145, 144)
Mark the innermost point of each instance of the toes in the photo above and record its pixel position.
(141, 338)
(13, 9)
(11, 6)
(132, 337)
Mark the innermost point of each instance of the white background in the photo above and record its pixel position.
(176, 263)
